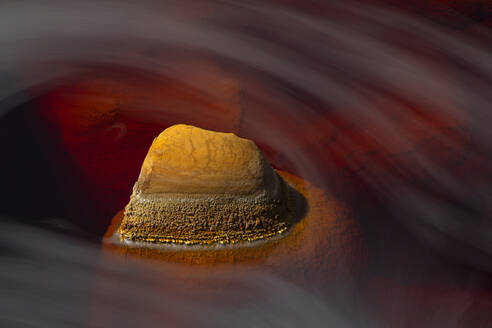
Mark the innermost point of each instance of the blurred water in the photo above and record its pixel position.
(48, 280)
(369, 67)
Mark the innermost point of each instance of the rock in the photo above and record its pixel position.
(204, 187)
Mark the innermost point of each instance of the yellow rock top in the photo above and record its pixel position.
(185, 159)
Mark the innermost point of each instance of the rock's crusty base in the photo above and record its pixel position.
(205, 219)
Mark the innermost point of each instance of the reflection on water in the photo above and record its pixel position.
(386, 111)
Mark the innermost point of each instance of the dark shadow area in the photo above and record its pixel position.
(300, 205)
(40, 184)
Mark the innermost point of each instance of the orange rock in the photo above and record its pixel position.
(190, 160)
(203, 187)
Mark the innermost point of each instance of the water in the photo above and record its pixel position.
(386, 111)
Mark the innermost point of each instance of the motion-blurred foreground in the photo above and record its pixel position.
(384, 108)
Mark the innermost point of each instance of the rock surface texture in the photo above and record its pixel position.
(204, 187)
